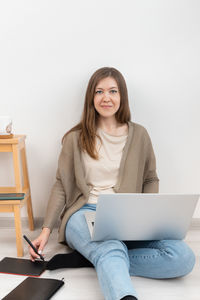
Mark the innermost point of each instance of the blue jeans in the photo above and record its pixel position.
(115, 260)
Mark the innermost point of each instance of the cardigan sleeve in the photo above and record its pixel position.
(58, 197)
(56, 203)
(151, 181)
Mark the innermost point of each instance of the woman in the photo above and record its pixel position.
(107, 153)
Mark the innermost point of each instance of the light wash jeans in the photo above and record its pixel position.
(115, 260)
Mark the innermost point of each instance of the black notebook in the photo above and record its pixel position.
(22, 266)
(35, 289)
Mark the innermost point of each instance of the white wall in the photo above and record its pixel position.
(49, 49)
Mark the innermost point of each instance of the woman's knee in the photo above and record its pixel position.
(109, 249)
(181, 256)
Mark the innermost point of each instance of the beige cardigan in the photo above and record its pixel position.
(137, 174)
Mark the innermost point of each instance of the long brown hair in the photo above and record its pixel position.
(88, 123)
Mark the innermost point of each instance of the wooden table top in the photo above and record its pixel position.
(16, 139)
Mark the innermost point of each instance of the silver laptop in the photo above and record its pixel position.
(141, 216)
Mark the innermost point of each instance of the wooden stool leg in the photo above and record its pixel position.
(16, 163)
(18, 228)
(30, 213)
(27, 187)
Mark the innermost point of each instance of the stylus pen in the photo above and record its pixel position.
(29, 242)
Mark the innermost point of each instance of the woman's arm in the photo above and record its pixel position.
(54, 208)
(57, 200)
(56, 203)
(151, 181)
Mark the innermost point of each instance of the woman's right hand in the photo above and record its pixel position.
(40, 243)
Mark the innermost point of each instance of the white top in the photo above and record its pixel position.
(101, 175)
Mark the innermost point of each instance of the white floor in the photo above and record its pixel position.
(82, 284)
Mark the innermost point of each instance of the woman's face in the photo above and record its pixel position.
(107, 97)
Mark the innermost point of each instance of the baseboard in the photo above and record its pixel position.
(8, 222)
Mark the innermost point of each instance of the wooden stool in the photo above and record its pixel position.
(16, 145)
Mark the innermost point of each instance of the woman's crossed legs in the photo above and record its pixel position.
(115, 261)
